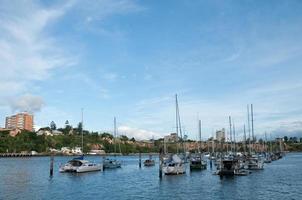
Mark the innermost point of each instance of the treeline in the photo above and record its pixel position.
(30, 141)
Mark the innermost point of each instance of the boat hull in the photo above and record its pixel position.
(174, 170)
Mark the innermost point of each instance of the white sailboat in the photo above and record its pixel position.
(112, 163)
(80, 165)
(175, 165)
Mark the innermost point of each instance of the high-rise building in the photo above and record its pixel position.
(23, 121)
(220, 135)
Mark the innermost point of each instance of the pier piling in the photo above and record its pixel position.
(51, 165)
(160, 162)
(140, 160)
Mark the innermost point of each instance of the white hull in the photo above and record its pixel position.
(255, 164)
(174, 170)
(174, 167)
(80, 166)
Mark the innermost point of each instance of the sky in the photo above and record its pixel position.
(128, 58)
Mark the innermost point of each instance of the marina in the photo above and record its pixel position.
(183, 100)
(29, 177)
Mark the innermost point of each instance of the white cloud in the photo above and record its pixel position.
(28, 102)
(139, 134)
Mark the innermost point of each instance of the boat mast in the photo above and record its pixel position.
(176, 121)
(244, 138)
(230, 123)
(82, 131)
(178, 126)
(252, 115)
(265, 146)
(271, 146)
(249, 128)
(234, 133)
(114, 121)
(199, 130)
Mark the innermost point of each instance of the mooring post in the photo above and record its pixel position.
(103, 162)
(51, 165)
(160, 162)
(140, 159)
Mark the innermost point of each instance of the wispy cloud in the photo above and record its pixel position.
(27, 52)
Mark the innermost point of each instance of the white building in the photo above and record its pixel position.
(220, 135)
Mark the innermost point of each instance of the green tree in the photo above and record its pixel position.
(124, 138)
(285, 138)
(53, 125)
(80, 127)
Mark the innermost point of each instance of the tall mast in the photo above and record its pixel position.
(265, 143)
(252, 115)
(199, 130)
(271, 147)
(230, 122)
(114, 121)
(249, 127)
(82, 131)
(176, 120)
(178, 124)
(244, 138)
(119, 144)
(234, 133)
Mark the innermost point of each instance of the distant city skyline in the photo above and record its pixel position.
(128, 58)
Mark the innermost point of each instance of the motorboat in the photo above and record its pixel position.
(80, 165)
(228, 167)
(111, 163)
(149, 162)
(255, 163)
(174, 167)
(197, 162)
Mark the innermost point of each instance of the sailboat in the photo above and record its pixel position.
(175, 165)
(80, 165)
(254, 162)
(196, 161)
(112, 163)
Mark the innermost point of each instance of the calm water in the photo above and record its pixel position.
(28, 178)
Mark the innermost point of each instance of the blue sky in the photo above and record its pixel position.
(128, 58)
